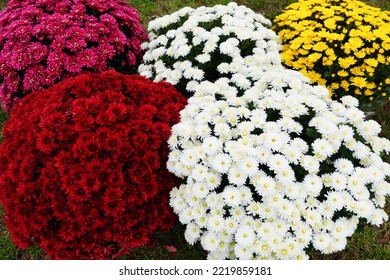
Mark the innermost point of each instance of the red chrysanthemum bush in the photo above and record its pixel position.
(44, 41)
(83, 165)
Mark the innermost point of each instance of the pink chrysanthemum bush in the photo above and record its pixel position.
(83, 165)
(45, 41)
(276, 171)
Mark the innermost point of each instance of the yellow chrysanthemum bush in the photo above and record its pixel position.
(341, 44)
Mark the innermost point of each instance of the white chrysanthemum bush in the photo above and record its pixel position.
(276, 170)
(207, 43)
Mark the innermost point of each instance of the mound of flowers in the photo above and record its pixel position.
(84, 165)
(45, 41)
(344, 45)
(276, 171)
(207, 43)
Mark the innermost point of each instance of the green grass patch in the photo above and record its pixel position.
(3, 118)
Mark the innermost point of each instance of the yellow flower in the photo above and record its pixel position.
(320, 46)
(381, 59)
(334, 86)
(371, 85)
(313, 76)
(303, 52)
(370, 69)
(312, 58)
(371, 62)
(359, 82)
(357, 71)
(296, 44)
(342, 73)
(354, 43)
(360, 54)
(368, 92)
(386, 46)
(344, 84)
(346, 62)
(347, 38)
(330, 23)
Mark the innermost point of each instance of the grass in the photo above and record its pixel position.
(370, 243)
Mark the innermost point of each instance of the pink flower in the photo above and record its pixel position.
(66, 38)
(170, 248)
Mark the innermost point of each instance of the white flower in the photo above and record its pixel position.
(310, 164)
(278, 162)
(322, 148)
(203, 58)
(254, 208)
(303, 232)
(263, 249)
(368, 128)
(340, 228)
(245, 236)
(223, 68)
(377, 217)
(238, 213)
(344, 166)
(264, 185)
(231, 225)
(222, 129)
(273, 141)
(241, 81)
(349, 101)
(266, 231)
(221, 163)
(189, 158)
(321, 241)
(335, 200)
(299, 144)
(243, 252)
(312, 184)
(346, 132)
(339, 243)
(231, 196)
(286, 175)
(338, 181)
(192, 233)
(354, 115)
(313, 217)
(249, 166)
(216, 223)
(186, 216)
(212, 145)
(237, 176)
(209, 241)
(200, 190)
(227, 48)
(178, 204)
(213, 200)
(213, 180)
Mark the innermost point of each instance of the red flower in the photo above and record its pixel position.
(83, 166)
(46, 141)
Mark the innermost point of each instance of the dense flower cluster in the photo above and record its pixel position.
(277, 170)
(84, 165)
(193, 45)
(344, 45)
(45, 41)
